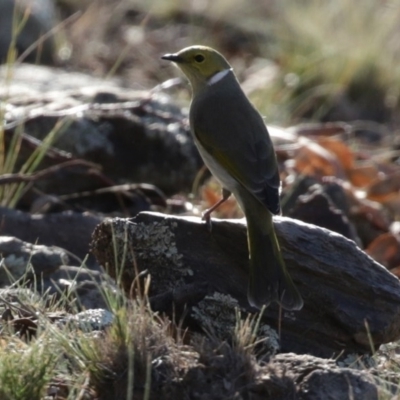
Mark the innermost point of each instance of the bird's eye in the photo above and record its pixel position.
(199, 58)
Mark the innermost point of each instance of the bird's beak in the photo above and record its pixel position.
(172, 57)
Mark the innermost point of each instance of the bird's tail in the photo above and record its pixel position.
(269, 279)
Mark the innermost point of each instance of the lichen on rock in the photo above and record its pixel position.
(217, 314)
(140, 244)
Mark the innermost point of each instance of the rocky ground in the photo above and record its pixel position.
(101, 192)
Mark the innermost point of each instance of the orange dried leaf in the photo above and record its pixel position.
(344, 155)
(396, 271)
(210, 195)
(386, 250)
(392, 203)
(313, 160)
(228, 209)
(321, 129)
(372, 212)
(362, 175)
(384, 188)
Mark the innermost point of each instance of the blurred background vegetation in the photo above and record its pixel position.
(298, 60)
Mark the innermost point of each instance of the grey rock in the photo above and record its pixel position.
(316, 378)
(83, 286)
(349, 298)
(90, 320)
(135, 136)
(18, 257)
(70, 231)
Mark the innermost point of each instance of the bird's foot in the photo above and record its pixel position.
(207, 214)
(206, 217)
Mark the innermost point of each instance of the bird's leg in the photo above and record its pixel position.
(207, 214)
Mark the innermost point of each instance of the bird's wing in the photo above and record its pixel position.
(234, 133)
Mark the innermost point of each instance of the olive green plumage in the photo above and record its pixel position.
(235, 145)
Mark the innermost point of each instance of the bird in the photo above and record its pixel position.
(235, 145)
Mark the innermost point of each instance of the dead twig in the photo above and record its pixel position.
(18, 177)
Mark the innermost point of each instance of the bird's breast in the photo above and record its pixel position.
(219, 172)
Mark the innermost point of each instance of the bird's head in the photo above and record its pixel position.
(200, 64)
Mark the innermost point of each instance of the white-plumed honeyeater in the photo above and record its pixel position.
(235, 145)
